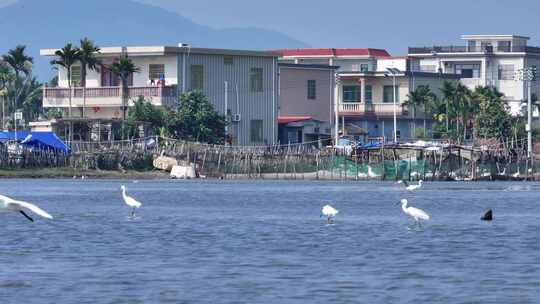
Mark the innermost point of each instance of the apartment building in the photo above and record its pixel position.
(306, 108)
(240, 84)
(365, 89)
(483, 60)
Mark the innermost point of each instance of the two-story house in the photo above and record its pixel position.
(483, 60)
(365, 89)
(240, 84)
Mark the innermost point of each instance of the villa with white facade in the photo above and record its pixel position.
(483, 60)
(240, 84)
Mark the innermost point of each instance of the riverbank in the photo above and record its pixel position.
(92, 174)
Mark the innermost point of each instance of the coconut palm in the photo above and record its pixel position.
(448, 91)
(18, 60)
(66, 58)
(124, 68)
(89, 61)
(421, 97)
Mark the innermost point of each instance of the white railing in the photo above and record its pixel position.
(383, 109)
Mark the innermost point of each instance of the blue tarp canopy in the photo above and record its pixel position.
(40, 140)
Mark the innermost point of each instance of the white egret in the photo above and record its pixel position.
(409, 187)
(10, 205)
(415, 213)
(329, 212)
(130, 201)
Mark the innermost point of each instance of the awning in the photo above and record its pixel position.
(40, 140)
(288, 119)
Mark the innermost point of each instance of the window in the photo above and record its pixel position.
(228, 60)
(388, 94)
(364, 68)
(311, 89)
(504, 46)
(156, 71)
(506, 72)
(351, 93)
(256, 80)
(468, 70)
(533, 67)
(428, 68)
(76, 76)
(197, 77)
(256, 130)
(369, 93)
(471, 45)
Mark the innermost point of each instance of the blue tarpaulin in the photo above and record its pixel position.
(40, 140)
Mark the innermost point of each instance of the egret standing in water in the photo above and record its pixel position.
(415, 213)
(329, 212)
(10, 205)
(409, 187)
(130, 201)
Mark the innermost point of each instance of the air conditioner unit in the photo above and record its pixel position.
(236, 118)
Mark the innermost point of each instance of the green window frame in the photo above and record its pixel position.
(256, 80)
(197, 77)
(155, 71)
(369, 93)
(76, 75)
(388, 94)
(351, 93)
(256, 130)
(364, 67)
(312, 89)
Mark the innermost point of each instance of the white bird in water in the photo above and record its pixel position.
(329, 212)
(130, 201)
(415, 213)
(10, 205)
(409, 187)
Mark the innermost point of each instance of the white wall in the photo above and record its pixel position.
(396, 63)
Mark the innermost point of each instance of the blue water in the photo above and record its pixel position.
(264, 242)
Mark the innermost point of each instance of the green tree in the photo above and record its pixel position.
(493, 119)
(196, 120)
(67, 57)
(421, 97)
(89, 61)
(124, 68)
(144, 111)
(19, 60)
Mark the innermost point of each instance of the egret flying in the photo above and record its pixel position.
(10, 205)
(130, 201)
(411, 188)
(415, 213)
(329, 212)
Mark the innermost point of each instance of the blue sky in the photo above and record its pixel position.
(390, 24)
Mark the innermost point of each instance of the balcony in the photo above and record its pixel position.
(474, 49)
(107, 96)
(376, 109)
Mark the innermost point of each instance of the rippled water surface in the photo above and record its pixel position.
(264, 242)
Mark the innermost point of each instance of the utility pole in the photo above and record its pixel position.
(527, 75)
(394, 72)
(226, 112)
(336, 109)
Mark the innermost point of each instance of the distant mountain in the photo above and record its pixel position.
(52, 23)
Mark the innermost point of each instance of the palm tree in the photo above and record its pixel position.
(66, 58)
(18, 60)
(5, 78)
(421, 97)
(124, 68)
(448, 91)
(87, 57)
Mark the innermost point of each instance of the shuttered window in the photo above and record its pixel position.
(256, 80)
(76, 76)
(312, 89)
(388, 94)
(197, 77)
(156, 71)
(256, 131)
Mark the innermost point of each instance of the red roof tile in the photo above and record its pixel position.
(333, 52)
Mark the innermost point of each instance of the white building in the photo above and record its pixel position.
(484, 60)
(240, 84)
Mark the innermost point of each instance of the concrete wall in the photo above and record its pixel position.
(293, 92)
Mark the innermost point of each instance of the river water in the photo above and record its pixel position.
(264, 242)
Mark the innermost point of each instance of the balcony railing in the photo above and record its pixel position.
(378, 109)
(474, 49)
(107, 92)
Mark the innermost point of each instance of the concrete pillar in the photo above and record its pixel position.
(483, 72)
(362, 90)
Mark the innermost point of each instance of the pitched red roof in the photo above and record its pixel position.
(332, 52)
(289, 119)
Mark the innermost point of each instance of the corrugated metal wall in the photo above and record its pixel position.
(251, 105)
